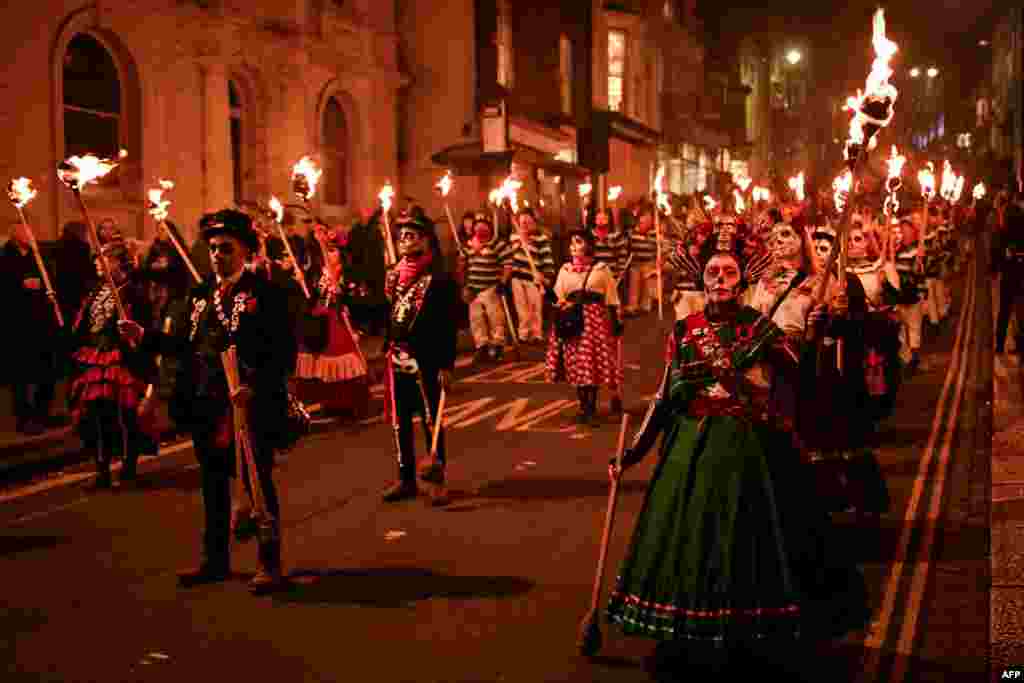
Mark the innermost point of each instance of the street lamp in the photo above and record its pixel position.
(933, 72)
(794, 57)
(915, 72)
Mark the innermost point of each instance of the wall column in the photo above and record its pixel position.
(218, 190)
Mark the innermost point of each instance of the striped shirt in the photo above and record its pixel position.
(540, 250)
(643, 247)
(484, 267)
(611, 251)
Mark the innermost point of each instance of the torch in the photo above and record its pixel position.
(978, 193)
(305, 177)
(585, 190)
(796, 183)
(157, 207)
(614, 193)
(21, 193)
(661, 202)
(926, 178)
(278, 209)
(445, 185)
(743, 182)
(387, 193)
(77, 172)
(893, 183)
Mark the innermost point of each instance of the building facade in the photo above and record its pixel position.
(221, 97)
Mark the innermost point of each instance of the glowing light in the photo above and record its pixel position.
(20, 191)
(305, 176)
(874, 106)
(841, 187)
(926, 178)
(157, 204)
(796, 183)
(979, 191)
(585, 189)
(741, 205)
(385, 196)
(794, 57)
(614, 193)
(445, 184)
(76, 172)
(277, 208)
(660, 196)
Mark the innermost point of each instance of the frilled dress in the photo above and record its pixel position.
(728, 546)
(109, 378)
(882, 368)
(591, 359)
(336, 376)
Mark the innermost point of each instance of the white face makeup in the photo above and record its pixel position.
(722, 278)
(822, 249)
(411, 243)
(857, 244)
(785, 242)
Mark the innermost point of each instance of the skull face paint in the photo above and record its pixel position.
(785, 242)
(857, 244)
(722, 278)
(822, 249)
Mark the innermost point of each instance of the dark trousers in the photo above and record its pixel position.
(32, 401)
(216, 470)
(408, 404)
(1011, 297)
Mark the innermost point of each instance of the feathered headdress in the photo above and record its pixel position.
(726, 237)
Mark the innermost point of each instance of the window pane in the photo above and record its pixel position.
(616, 53)
(565, 73)
(88, 133)
(90, 76)
(335, 154)
(615, 93)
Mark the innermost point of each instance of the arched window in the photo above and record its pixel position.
(335, 154)
(92, 99)
(235, 104)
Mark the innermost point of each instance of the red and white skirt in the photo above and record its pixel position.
(591, 359)
(102, 377)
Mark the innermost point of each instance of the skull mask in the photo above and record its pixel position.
(822, 248)
(785, 241)
(722, 278)
(857, 244)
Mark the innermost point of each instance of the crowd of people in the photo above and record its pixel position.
(778, 371)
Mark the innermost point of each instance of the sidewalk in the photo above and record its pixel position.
(22, 455)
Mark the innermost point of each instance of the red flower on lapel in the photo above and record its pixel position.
(250, 305)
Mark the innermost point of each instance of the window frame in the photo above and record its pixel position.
(623, 78)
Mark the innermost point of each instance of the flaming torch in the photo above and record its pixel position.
(661, 204)
(614, 192)
(387, 193)
(157, 207)
(305, 177)
(893, 183)
(21, 193)
(741, 204)
(978, 193)
(796, 183)
(585, 190)
(445, 185)
(77, 172)
(948, 186)
(761, 194)
(278, 209)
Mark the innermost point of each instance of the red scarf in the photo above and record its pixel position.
(409, 269)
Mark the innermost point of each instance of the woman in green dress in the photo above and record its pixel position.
(730, 550)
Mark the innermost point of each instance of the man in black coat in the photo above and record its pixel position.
(421, 338)
(239, 308)
(32, 350)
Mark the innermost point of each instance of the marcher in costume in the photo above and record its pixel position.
(785, 292)
(420, 352)
(109, 377)
(687, 292)
(935, 303)
(832, 423)
(335, 375)
(528, 291)
(729, 549)
(487, 266)
(912, 292)
(238, 308)
(589, 359)
(31, 362)
(643, 271)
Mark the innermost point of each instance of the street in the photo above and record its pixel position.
(493, 587)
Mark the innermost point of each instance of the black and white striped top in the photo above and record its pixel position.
(484, 267)
(611, 251)
(643, 247)
(540, 250)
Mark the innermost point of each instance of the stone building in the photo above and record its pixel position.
(220, 96)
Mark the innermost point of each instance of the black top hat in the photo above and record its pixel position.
(232, 223)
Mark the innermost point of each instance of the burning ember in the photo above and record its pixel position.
(796, 183)
(841, 187)
(387, 193)
(277, 208)
(305, 176)
(873, 109)
(77, 172)
(979, 191)
(585, 189)
(20, 191)
(614, 193)
(926, 178)
(157, 205)
(445, 184)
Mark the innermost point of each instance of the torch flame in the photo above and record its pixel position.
(510, 189)
(741, 205)
(76, 172)
(157, 204)
(385, 196)
(796, 183)
(445, 184)
(958, 189)
(948, 184)
(926, 178)
(305, 176)
(877, 88)
(895, 163)
(614, 193)
(709, 202)
(20, 191)
(761, 194)
(841, 187)
(979, 191)
(277, 208)
(585, 189)
(661, 197)
(743, 182)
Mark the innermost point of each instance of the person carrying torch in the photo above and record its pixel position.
(241, 310)
(533, 273)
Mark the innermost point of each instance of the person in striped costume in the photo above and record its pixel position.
(609, 243)
(528, 288)
(486, 264)
(643, 247)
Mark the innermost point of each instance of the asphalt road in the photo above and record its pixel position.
(493, 587)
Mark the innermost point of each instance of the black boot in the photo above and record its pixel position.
(269, 578)
(103, 480)
(129, 470)
(213, 568)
